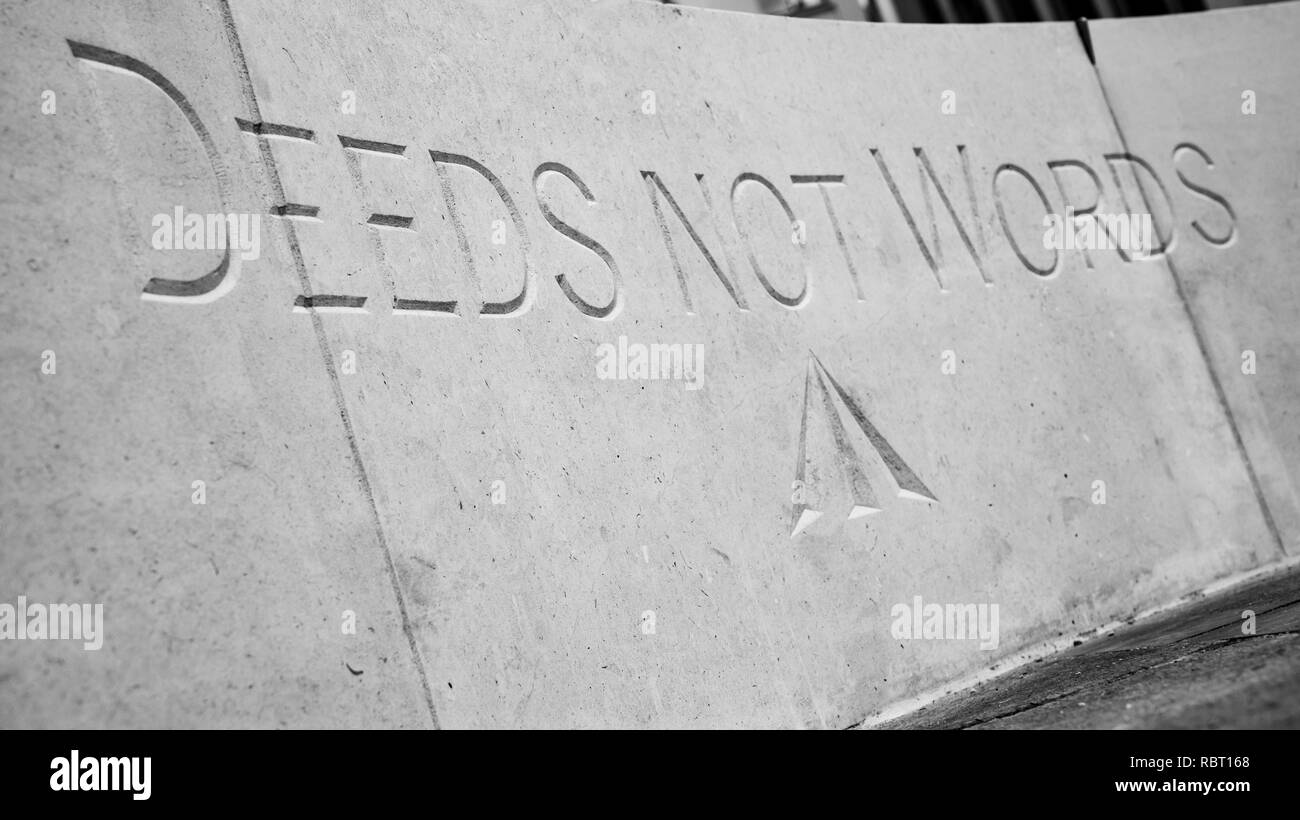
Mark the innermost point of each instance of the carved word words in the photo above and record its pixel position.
(375, 162)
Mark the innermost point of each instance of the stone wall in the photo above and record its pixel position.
(402, 461)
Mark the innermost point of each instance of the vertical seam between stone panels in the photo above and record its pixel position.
(1197, 334)
(300, 268)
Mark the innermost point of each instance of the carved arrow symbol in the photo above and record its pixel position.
(819, 384)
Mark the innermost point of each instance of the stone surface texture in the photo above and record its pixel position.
(524, 543)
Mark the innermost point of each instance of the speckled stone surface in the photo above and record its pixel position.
(472, 213)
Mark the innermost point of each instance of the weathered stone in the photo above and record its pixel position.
(219, 614)
(398, 407)
(1209, 100)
